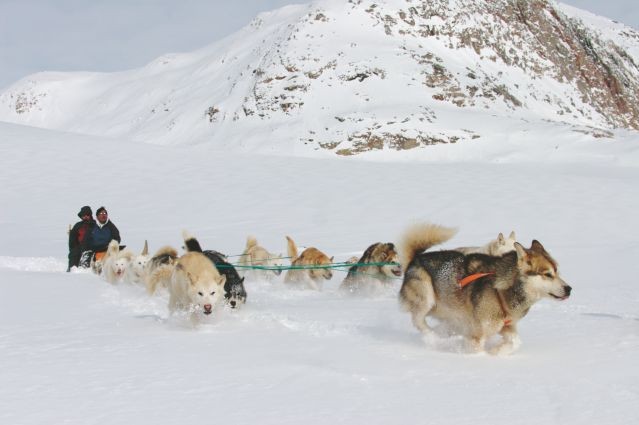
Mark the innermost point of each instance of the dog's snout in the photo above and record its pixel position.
(207, 308)
(567, 290)
(233, 303)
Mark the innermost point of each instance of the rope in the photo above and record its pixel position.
(306, 267)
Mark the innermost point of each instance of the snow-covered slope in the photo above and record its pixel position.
(77, 350)
(351, 77)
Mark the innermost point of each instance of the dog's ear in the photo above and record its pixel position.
(242, 280)
(512, 236)
(521, 251)
(500, 238)
(537, 246)
(331, 259)
(145, 251)
(222, 280)
(191, 279)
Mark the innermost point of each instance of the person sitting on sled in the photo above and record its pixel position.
(103, 232)
(79, 236)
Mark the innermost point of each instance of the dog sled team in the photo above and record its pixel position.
(477, 292)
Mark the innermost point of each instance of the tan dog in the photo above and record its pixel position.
(496, 247)
(196, 286)
(307, 276)
(378, 267)
(159, 268)
(257, 256)
(475, 295)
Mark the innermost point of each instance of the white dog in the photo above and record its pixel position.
(196, 286)
(257, 256)
(496, 247)
(135, 273)
(115, 262)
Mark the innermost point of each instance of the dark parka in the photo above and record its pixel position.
(79, 241)
(101, 235)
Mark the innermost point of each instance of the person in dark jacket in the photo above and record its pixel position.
(79, 236)
(103, 232)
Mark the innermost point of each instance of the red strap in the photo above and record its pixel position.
(473, 277)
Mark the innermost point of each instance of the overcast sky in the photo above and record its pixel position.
(112, 35)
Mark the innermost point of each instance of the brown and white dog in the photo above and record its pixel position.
(377, 267)
(159, 268)
(308, 269)
(475, 295)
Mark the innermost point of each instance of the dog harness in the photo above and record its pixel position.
(473, 277)
(502, 302)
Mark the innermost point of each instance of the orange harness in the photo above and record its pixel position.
(99, 255)
(473, 277)
(502, 303)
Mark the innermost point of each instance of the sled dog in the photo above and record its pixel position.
(136, 270)
(115, 262)
(436, 284)
(195, 286)
(159, 268)
(305, 275)
(234, 291)
(378, 266)
(496, 247)
(257, 256)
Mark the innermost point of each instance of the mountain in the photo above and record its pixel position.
(348, 77)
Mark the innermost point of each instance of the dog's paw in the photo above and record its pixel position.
(506, 348)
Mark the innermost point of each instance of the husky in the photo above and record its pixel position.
(159, 268)
(195, 286)
(257, 256)
(135, 273)
(234, 291)
(302, 271)
(115, 262)
(504, 288)
(496, 247)
(378, 267)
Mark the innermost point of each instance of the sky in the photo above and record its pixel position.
(114, 35)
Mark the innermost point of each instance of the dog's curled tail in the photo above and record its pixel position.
(191, 244)
(166, 254)
(420, 237)
(291, 249)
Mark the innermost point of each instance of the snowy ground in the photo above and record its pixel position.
(77, 350)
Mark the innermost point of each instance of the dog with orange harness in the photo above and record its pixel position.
(475, 295)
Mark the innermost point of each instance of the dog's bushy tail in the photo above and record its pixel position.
(191, 244)
(113, 248)
(165, 254)
(420, 237)
(291, 249)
